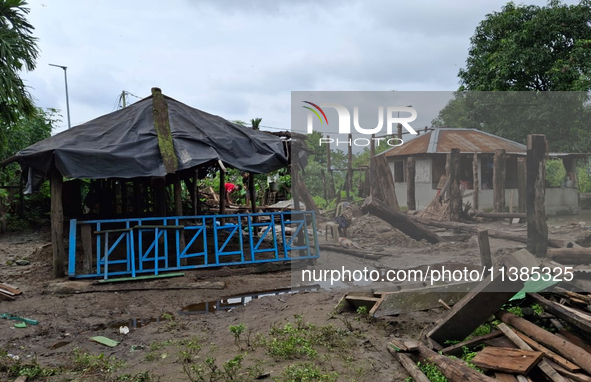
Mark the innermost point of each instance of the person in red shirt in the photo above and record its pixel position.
(231, 188)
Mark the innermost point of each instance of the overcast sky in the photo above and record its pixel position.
(241, 59)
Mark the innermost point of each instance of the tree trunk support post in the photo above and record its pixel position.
(57, 224)
(454, 176)
(499, 169)
(410, 184)
(537, 228)
(521, 181)
(475, 182)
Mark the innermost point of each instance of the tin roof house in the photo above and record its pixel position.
(430, 152)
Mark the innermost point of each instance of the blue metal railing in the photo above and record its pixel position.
(141, 246)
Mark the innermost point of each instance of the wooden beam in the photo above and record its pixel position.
(410, 184)
(570, 255)
(537, 229)
(408, 364)
(476, 182)
(499, 170)
(382, 182)
(399, 221)
(457, 349)
(178, 210)
(223, 192)
(475, 308)
(574, 317)
(453, 370)
(568, 365)
(521, 344)
(57, 224)
(162, 127)
(521, 184)
(484, 245)
(501, 215)
(455, 203)
(571, 352)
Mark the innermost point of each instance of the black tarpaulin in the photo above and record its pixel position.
(124, 144)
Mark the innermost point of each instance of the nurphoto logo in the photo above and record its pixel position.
(392, 118)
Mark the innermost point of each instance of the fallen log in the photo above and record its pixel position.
(453, 370)
(569, 351)
(473, 228)
(349, 251)
(409, 365)
(579, 319)
(399, 221)
(570, 255)
(578, 377)
(500, 215)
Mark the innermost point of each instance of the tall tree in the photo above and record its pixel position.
(527, 47)
(18, 51)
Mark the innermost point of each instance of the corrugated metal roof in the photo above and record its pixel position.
(467, 140)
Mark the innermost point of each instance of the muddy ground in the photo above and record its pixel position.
(168, 343)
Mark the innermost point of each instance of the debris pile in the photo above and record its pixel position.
(541, 333)
(9, 292)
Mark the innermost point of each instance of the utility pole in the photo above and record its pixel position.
(67, 99)
(123, 98)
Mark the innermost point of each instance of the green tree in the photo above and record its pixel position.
(18, 51)
(527, 47)
(255, 122)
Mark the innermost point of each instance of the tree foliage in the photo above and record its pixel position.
(527, 47)
(18, 51)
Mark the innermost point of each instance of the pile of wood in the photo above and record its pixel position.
(9, 292)
(548, 344)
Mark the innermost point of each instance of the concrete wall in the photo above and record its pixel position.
(585, 201)
(559, 201)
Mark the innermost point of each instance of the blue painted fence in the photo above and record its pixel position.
(148, 246)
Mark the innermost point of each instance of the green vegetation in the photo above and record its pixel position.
(432, 372)
(306, 372)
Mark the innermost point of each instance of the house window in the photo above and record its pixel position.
(399, 171)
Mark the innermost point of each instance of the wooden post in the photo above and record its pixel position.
(162, 127)
(476, 182)
(159, 185)
(251, 190)
(178, 211)
(331, 193)
(382, 182)
(455, 203)
(57, 224)
(372, 147)
(399, 131)
(499, 169)
(195, 193)
(123, 184)
(484, 245)
(324, 185)
(86, 236)
(410, 184)
(349, 181)
(537, 229)
(222, 192)
(521, 180)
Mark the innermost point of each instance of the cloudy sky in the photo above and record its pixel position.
(242, 59)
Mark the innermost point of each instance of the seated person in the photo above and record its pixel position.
(345, 219)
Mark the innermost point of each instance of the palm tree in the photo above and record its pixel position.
(255, 123)
(18, 51)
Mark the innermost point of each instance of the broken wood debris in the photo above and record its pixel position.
(8, 292)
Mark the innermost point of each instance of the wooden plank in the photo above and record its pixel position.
(474, 308)
(537, 229)
(518, 340)
(457, 349)
(453, 370)
(507, 359)
(501, 342)
(499, 171)
(413, 300)
(412, 369)
(140, 278)
(549, 353)
(484, 245)
(7, 297)
(13, 291)
(397, 345)
(399, 221)
(57, 224)
(579, 377)
(501, 215)
(573, 316)
(504, 377)
(569, 351)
